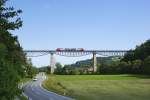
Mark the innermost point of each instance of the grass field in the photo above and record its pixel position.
(100, 87)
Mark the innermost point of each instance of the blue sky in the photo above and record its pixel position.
(89, 24)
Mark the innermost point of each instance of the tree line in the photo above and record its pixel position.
(13, 62)
(135, 61)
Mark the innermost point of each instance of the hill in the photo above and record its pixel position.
(100, 60)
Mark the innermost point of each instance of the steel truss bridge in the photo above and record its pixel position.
(75, 53)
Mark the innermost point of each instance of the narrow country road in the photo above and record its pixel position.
(34, 91)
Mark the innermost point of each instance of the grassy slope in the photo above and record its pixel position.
(101, 87)
(24, 80)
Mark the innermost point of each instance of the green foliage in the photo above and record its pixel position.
(12, 58)
(88, 62)
(58, 69)
(45, 69)
(30, 70)
(70, 70)
(130, 56)
(139, 59)
(67, 69)
(146, 65)
(6, 14)
(136, 66)
(134, 62)
(82, 67)
(75, 72)
(141, 52)
(8, 80)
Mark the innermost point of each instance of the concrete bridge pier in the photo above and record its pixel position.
(94, 62)
(52, 63)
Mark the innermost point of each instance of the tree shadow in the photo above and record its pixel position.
(138, 76)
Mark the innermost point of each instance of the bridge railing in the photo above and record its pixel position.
(37, 53)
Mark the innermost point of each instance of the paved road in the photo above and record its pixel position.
(34, 91)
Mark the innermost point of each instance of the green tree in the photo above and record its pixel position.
(58, 69)
(130, 56)
(31, 71)
(139, 58)
(6, 14)
(125, 67)
(137, 66)
(74, 71)
(141, 52)
(146, 65)
(12, 58)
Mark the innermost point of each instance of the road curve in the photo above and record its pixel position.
(34, 91)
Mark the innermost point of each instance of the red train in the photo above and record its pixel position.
(69, 49)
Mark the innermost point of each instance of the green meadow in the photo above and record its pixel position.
(100, 87)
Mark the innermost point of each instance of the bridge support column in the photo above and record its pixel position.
(94, 62)
(52, 63)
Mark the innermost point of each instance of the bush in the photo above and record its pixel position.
(146, 66)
